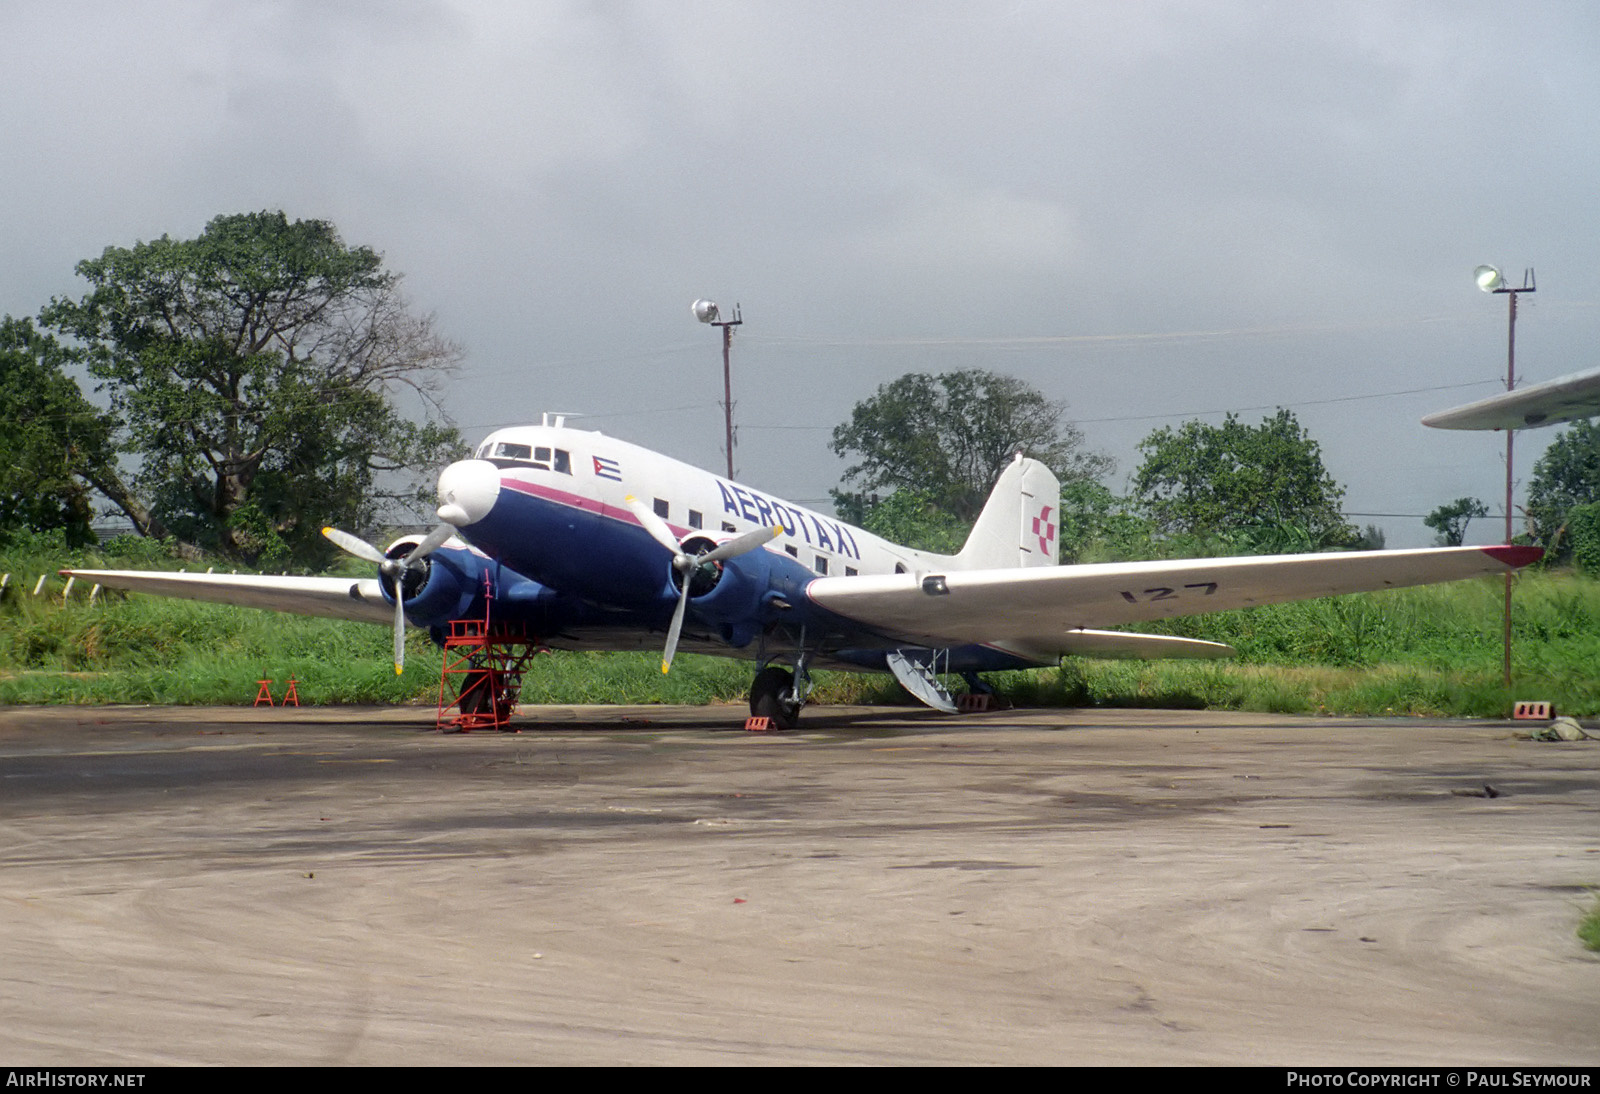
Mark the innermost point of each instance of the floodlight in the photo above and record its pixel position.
(1488, 278)
(705, 311)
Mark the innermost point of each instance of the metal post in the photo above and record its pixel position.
(1497, 285)
(1511, 382)
(707, 312)
(727, 390)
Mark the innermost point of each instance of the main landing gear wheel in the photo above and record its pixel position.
(477, 693)
(772, 696)
(478, 697)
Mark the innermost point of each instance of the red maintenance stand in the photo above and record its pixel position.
(482, 672)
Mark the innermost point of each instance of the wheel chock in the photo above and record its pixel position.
(973, 702)
(1537, 711)
(753, 724)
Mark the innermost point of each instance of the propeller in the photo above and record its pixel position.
(686, 564)
(395, 570)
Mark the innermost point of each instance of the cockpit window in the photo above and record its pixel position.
(510, 454)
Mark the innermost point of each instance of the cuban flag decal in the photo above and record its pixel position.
(607, 469)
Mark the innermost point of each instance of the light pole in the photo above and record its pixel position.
(706, 312)
(1490, 281)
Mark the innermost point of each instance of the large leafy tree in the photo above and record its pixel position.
(257, 369)
(1566, 476)
(55, 444)
(948, 437)
(1215, 480)
(1451, 519)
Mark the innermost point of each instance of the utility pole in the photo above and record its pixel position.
(1490, 281)
(706, 311)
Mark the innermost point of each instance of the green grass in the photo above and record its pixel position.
(1426, 651)
(1589, 929)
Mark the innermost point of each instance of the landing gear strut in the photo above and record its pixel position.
(484, 659)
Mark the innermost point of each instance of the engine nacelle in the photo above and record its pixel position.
(447, 584)
(728, 594)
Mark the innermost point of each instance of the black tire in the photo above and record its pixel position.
(477, 694)
(767, 700)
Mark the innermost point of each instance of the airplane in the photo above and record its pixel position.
(1560, 400)
(565, 538)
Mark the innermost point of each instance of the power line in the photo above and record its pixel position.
(1227, 410)
(1287, 405)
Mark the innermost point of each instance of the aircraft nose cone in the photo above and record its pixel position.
(467, 491)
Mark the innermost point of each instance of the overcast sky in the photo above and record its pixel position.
(1152, 211)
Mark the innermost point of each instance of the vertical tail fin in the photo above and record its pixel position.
(1019, 523)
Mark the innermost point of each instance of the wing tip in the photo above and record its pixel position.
(1514, 556)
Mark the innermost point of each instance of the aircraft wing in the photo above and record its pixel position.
(1041, 609)
(355, 598)
(1558, 400)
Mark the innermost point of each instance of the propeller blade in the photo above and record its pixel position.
(657, 528)
(734, 547)
(675, 630)
(742, 545)
(399, 625)
(355, 545)
(430, 543)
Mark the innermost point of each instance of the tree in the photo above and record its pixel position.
(1098, 526)
(1209, 480)
(1583, 534)
(905, 517)
(256, 368)
(1451, 520)
(948, 437)
(1567, 475)
(55, 444)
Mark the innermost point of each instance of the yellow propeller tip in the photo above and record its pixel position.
(398, 670)
(666, 667)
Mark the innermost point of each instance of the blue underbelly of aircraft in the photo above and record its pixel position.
(573, 544)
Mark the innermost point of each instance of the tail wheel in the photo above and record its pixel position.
(772, 697)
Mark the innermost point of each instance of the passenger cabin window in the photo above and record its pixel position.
(849, 571)
(695, 519)
(728, 527)
(662, 509)
(822, 565)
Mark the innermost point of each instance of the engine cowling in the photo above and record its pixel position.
(447, 584)
(727, 594)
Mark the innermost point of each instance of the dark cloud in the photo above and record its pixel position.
(1150, 210)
